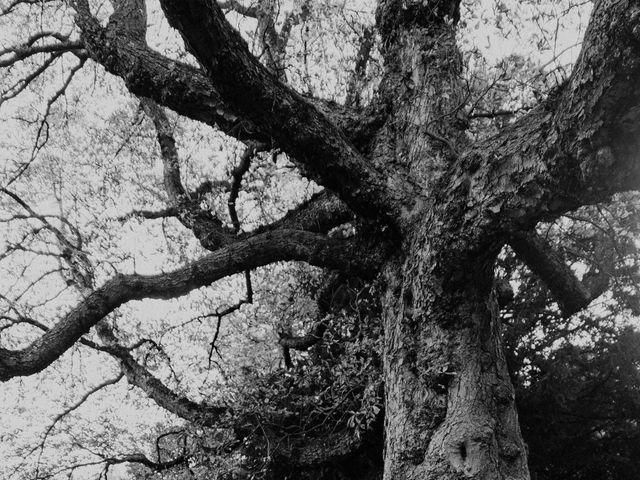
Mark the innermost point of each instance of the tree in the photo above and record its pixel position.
(576, 377)
(430, 205)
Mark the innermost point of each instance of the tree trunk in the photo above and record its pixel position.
(450, 410)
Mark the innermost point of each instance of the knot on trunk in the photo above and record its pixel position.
(470, 450)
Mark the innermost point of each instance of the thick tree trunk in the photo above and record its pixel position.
(450, 410)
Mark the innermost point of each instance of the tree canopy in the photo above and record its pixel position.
(324, 240)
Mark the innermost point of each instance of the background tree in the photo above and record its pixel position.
(405, 175)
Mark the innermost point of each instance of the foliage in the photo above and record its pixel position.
(87, 162)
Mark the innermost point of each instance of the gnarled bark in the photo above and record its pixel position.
(451, 205)
(450, 406)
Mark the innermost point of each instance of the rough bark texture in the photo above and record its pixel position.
(408, 169)
(319, 148)
(450, 410)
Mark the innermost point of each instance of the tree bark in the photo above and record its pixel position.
(450, 410)
(449, 206)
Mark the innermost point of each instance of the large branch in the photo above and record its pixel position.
(322, 212)
(269, 247)
(571, 294)
(147, 73)
(187, 90)
(599, 108)
(318, 147)
(578, 147)
(319, 214)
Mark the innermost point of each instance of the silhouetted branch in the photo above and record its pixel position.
(262, 249)
(571, 294)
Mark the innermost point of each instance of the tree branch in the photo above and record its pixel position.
(578, 147)
(325, 301)
(16, 3)
(571, 294)
(322, 212)
(354, 88)
(262, 249)
(306, 341)
(208, 229)
(143, 460)
(317, 146)
(170, 160)
(147, 73)
(237, 174)
(248, 11)
(23, 51)
(185, 89)
(70, 409)
(227, 311)
(150, 214)
(198, 413)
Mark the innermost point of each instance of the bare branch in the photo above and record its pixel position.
(109, 461)
(43, 129)
(23, 51)
(20, 85)
(262, 249)
(45, 222)
(227, 311)
(274, 44)
(318, 148)
(322, 212)
(198, 413)
(571, 294)
(70, 409)
(150, 214)
(142, 459)
(234, 5)
(237, 174)
(16, 3)
(319, 214)
(208, 229)
(292, 19)
(354, 88)
(170, 160)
